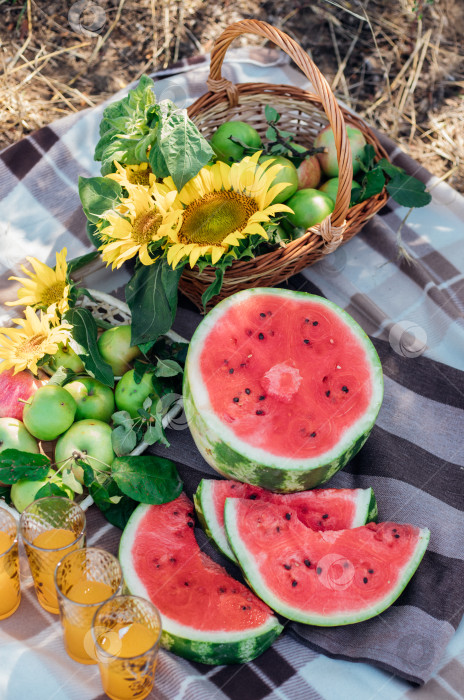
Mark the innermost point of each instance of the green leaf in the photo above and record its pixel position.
(408, 191)
(184, 149)
(271, 114)
(16, 465)
(98, 195)
(122, 418)
(70, 480)
(214, 288)
(81, 261)
(167, 368)
(367, 157)
(390, 169)
(155, 433)
(271, 133)
(147, 479)
(51, 489)
(84, 343)
(88, 472)
(152, 298)
(93, 234)
(119, 514)
(373, 182)
(5, 493)
(123, 439)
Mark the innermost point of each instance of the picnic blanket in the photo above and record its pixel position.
(413, 459)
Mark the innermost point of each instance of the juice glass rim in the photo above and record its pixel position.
(87, 605)
(53, 549)
(138, 656)
(15, 538)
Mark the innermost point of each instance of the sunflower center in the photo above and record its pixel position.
(139, 177)
(53, 293)
(32, 346)
(145, 226)
(211, 218)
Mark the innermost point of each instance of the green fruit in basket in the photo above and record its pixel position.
(309, 207)
(287, 174)
(93, 399)
(331, 187)
(116, 349)
(329, 162)
(25, 491)
(14, 436)
(129, 395)
(50, 412)
(65, 357)
(87, 440)
(228, 151)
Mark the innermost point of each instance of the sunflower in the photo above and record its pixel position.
(133, 175)
(221, 206)
(47, 287)
(23, 347)
(138, 221)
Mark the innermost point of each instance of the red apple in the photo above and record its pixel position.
(309, 173)
(15, 389)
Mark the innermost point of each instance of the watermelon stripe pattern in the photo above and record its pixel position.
(227, 434)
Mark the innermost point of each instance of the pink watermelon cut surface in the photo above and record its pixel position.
(320, 509)
(322, 578)
(281, 388)
(207, 615)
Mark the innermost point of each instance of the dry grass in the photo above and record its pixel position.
(399, 64)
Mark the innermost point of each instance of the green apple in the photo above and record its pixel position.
(24, 491)
(328, 159)
(65, 357)
(50, 412)
(116, 349)
(13, 435)
(93, 399)
(130, 396)
(87, 440)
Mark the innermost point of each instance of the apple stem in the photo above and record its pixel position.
(24, 401)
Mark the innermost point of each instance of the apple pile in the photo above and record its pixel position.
(73, 420)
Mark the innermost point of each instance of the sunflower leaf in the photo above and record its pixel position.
(97, 195)
(151, 295)
(84, 343)
(214, 288)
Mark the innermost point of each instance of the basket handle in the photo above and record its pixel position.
(216, 83)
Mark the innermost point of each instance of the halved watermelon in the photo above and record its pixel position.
(207, 615)
(322, 578)
(320, 509)
(281, 388)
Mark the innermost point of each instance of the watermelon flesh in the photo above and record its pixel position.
(320, 509)
(281, 388)
(322, 578)
(207, 615)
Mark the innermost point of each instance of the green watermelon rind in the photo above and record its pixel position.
(366, 511)
(247, 564)
(234, 458)
(203, 647)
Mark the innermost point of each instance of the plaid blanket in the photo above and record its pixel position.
(414, 315)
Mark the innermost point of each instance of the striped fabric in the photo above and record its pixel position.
(413, 459)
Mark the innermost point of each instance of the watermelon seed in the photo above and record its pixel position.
(236, 399)
(243, 364)
(186, 583)
(327, 393)
(287, 566)
(345, 389)
(260, 413)
(370, 571)
(222, 590)
(173, 559)
(247, 391)
(277, 529)
(253, 496)
(365, 580)
(288, 516)
(318, 570)
(313, 435)
(190, 524)
(261, 398)
(306, 320)
(394, 529)
(315, 323)
(269, 313)
(271, 333)
(397, 536)
(294, 583)
(306, 341)
(345, 564)
(262, 314)
(226, 362)
(307, 563)
(231, 371)
(244, 607)
(249, 332)
(326, 515)
(324, 379)
(261, 336)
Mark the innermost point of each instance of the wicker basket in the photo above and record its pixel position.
(304, 114)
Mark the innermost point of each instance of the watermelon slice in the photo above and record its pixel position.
(320, 509)
(207, 615)
(322, 578)
(281, 388)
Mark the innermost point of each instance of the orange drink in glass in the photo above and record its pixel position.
(84, 579)
(10, 591)
(127, 632)
(50, 527)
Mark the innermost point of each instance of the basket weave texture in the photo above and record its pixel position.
(304, 114)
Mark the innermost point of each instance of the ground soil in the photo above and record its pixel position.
(399, 63)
